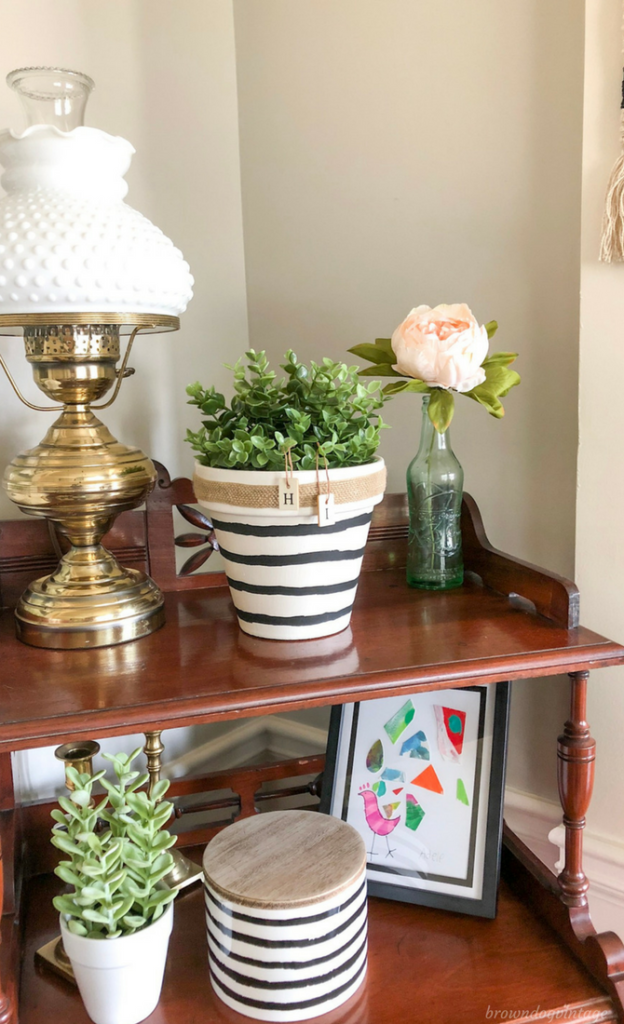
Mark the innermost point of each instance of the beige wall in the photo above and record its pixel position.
(165, 79)
(408, 152)
(600, 507)
(167, 83)
(391, 153)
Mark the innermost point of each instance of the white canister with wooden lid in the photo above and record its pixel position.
(286, 914)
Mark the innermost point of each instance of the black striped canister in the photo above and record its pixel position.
(286, 914)
(289, 577)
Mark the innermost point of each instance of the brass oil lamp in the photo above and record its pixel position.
(78, 270)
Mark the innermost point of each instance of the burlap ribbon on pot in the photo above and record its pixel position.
(218, 492)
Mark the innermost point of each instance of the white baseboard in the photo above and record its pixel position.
(532, 819)
(538, 823)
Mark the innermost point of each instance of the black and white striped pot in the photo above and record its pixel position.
(286, 914)
(289, 578)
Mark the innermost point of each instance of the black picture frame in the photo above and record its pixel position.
(483, 850)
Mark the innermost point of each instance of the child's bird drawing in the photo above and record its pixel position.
(378, 825)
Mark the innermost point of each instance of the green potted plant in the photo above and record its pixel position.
(117, 918)
(289, 476)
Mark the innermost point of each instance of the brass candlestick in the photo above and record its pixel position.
(184, 871)
(77, 754)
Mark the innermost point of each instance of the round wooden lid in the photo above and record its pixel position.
(284, 859)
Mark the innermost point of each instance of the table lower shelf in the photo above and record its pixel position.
(424, 965)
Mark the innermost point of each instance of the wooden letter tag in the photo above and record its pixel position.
(326, 513)
(288, 495)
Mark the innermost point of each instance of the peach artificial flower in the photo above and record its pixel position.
(443, 346)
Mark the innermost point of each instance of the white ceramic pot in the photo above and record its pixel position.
(120, 979)
(289, 578)
(286, 915)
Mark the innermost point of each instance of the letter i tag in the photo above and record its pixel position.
(289, 494)
(326, 512)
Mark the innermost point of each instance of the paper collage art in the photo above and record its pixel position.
(416, 815)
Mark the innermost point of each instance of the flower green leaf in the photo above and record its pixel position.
(441, 408)
(418, 386)
(499, 381)
(379, 370)
(499, 359)
(374, 353)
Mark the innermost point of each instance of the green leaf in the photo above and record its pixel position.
(64, 843)
(95, 915)
(491, 328)
(373, 353)
(65, 873)
(121, 908)
(65, 905)
(386, 345)
(379, 370)
(77, 927)
(498, 382)
(161, 897)
(499, 359)
(134, 921)
(418, 386)
(159, 789)
(492, 405)
(441, 409)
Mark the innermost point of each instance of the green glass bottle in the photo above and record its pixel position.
(435, 483)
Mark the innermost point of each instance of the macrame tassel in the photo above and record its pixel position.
(612, 243)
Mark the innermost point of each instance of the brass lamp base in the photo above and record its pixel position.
(89, 601)
(80, 478)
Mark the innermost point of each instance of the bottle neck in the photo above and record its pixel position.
(430, 439)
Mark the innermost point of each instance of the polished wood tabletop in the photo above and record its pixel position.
(424, 965)
(201, 667)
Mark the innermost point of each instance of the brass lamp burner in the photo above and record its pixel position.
(80, 478)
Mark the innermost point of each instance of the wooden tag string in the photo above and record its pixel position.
(318, 478)
(288, 488)
(612, 241)
(325, 502)
(288, 464)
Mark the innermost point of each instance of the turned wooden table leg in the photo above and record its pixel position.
(6, 1013)
(576, 753)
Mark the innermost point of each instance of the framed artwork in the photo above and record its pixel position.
(421, 777)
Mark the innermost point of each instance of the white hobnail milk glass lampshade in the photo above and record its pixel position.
(68, 241)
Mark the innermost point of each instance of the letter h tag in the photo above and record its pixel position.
(288, 494)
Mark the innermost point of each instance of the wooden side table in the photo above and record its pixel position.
(541, 956)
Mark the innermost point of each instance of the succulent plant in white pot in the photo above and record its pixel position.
(288, 473)
(116, 922)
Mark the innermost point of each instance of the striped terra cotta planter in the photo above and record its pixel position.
(289, 578)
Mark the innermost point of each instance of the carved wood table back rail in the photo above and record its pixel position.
(509, 621)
